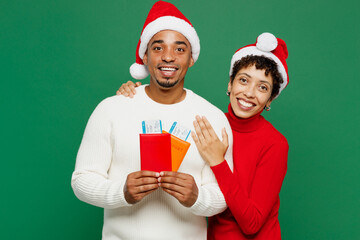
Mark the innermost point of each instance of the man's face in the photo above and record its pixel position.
(168, 58)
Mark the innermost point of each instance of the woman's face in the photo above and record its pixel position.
(250, 91)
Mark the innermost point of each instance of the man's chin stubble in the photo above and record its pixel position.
(167, 84)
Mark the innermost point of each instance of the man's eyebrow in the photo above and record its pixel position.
(181, 42)
(157, 41)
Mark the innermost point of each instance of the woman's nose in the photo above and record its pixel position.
(250, 91)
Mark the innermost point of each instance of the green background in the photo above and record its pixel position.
(59, 59)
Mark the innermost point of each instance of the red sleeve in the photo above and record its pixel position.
(251, 211)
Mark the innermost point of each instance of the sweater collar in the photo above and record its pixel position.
(244, 124)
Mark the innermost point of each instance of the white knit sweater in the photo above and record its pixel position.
(109, 151)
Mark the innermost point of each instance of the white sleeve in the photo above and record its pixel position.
(90, 181)
(210, 199)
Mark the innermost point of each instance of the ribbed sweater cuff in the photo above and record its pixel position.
(122, 199)
(222, 172)
(224, 176)
(198, 206)
(228, 184)
(210, 201)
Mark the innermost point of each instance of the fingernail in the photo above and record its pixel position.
(161, 173)
(157, 174)
(159, 179)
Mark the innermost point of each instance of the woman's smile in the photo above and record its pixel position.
(245, 105)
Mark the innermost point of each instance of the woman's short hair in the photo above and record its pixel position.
(260, 62)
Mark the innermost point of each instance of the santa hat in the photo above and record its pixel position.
(163, 16)
(269, 46)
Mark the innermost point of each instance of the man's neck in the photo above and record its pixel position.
(166, 96)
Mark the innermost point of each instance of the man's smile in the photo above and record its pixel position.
(168, 71)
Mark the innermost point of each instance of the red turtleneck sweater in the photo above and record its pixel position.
(252, 190)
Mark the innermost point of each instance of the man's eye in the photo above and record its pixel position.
(157, 48)
(180, 49)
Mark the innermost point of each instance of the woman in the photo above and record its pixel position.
(258, 74)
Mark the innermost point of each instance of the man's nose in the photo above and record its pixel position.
(168, 56)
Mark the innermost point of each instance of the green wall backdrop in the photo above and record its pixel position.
(59, 59)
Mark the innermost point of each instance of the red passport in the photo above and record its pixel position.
(155, 152)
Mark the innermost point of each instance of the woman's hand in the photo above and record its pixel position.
(209, 145)
(128, 89)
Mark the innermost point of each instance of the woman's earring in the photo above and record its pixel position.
(267, 108)
(228, 93)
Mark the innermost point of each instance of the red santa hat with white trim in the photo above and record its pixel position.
(267, 45)
(163, 16)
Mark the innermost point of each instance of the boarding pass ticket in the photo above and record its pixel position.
(180, 131)
(152, 126)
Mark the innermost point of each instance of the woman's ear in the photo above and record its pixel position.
(268, 103)
(229, 86)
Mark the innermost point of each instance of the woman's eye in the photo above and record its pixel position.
(263, 88)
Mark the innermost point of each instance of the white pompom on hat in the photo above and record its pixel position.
(163, 16)
(266, 45)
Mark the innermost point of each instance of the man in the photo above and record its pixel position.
(145, 204)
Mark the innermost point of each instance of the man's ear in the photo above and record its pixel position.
(145, 59)
(191, 62)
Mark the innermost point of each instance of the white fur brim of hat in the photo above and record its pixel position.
(170, 23)
(253, 50)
